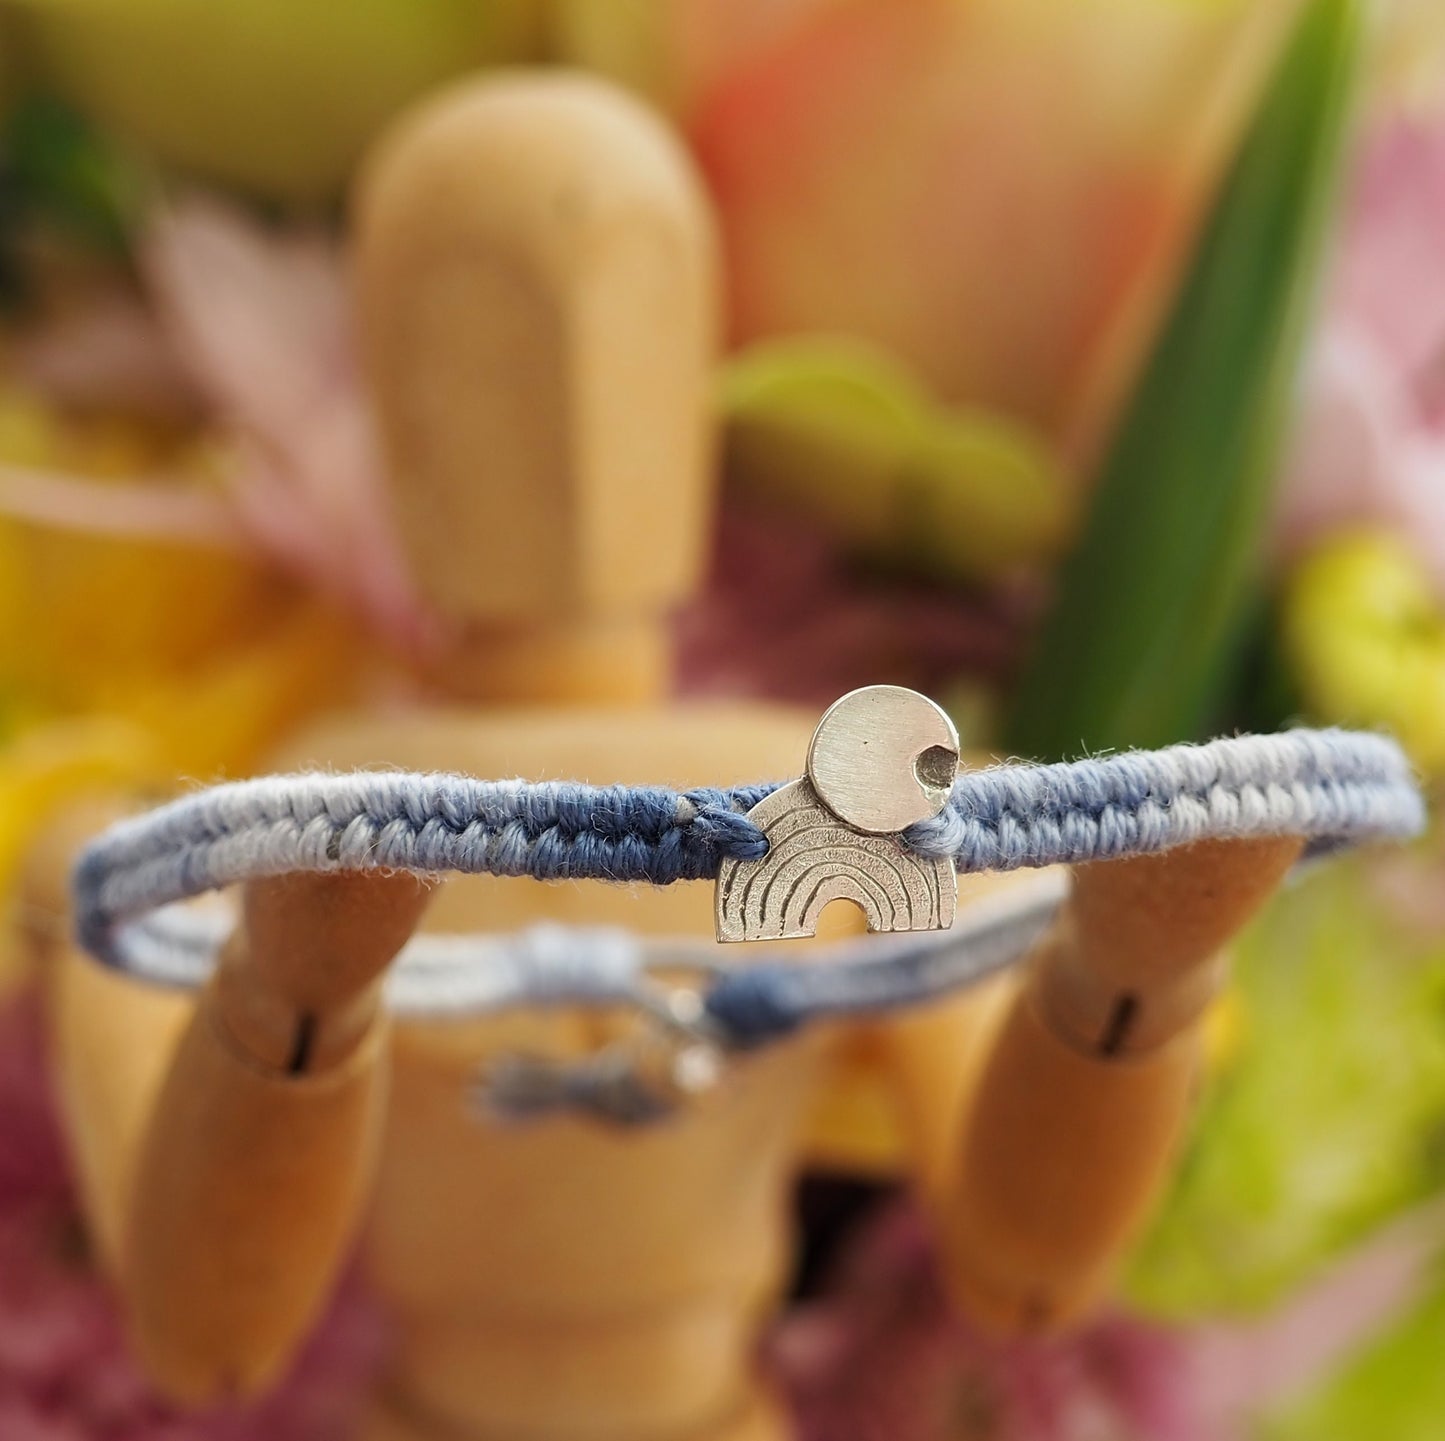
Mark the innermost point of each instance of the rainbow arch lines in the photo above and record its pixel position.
(813, 860)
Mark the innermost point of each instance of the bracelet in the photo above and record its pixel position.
(440, 977)
(1333, 788)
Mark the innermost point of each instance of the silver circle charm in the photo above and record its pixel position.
(882, 758)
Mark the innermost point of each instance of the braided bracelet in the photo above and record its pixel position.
(881, 818)
(1330, 786)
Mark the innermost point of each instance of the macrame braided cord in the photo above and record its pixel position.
(1332, 787)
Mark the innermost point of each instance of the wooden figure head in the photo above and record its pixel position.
(537, 289)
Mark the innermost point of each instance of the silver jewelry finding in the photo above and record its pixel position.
(882, 759)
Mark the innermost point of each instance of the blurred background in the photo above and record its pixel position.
(1084, 367)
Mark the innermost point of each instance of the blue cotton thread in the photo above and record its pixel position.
(1333, 788)
(1329, 786)
(441, 976)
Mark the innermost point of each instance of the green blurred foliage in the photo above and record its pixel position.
(60, 177)
(1147, 628)
(1329, 1116)
(845, 434)
(54, 165)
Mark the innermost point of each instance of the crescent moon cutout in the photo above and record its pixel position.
(813, 860)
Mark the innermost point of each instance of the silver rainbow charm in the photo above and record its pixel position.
(881, 759)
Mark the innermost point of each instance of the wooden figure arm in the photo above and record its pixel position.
(1075, 1112)
(261, 1146)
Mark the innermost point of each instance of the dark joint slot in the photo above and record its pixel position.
(303, 1045)
(1120, 1023)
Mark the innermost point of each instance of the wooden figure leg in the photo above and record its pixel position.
(1077, 1112)
(260, 1151)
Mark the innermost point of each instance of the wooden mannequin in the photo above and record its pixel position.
(536, 279)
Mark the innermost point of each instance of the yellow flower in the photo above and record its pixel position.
(87, 615)
(1364, 635)
(128, 661)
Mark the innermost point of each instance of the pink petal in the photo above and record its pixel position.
(262, 320)
(1344, 461)
(1389, 279)
(1240, 1368)
(141, 508)
(258, 317)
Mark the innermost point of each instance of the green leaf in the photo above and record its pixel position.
(55, 166)
(1325, 1115)
(1148, 623)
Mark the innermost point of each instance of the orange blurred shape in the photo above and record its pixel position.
(1001, 192)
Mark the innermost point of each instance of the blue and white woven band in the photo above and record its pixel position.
(1333, 788)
